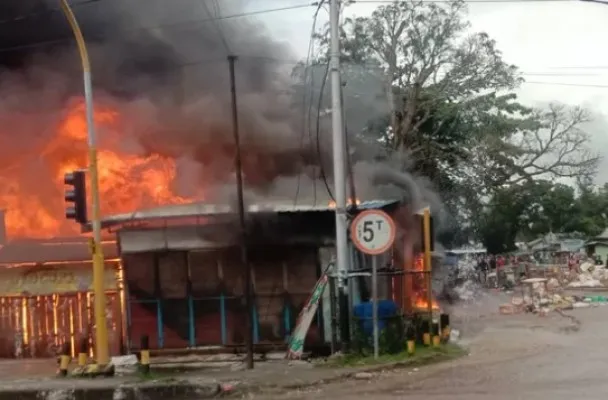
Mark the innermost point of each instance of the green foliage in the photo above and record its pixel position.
(531, 209)
(390, 341)
(421, 86)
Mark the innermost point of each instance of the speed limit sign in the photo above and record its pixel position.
(373, 232)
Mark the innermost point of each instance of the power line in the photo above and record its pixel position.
(166, 26)
(215, 22)
(319, 155)
(307, 98)
(567, 84)
(581, 67)
(47, 11)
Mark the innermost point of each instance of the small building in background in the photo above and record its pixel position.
(598, 245)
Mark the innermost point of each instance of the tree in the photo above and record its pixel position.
(549, 144)
(448, 105)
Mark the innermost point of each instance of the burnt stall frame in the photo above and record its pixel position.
(294, 232)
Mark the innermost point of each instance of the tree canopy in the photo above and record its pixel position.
(444, 97)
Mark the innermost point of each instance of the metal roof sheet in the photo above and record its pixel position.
(52, 251)
(200, 209)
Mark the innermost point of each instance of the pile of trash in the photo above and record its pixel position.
(591, 276)
(542, 297)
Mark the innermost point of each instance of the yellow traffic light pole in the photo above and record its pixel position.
(101, 338)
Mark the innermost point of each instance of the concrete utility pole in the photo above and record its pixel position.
(339, 164)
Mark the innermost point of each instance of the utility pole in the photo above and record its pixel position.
(243, 224)
(339, 165)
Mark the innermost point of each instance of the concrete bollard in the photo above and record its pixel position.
(144, 352)
(411, 341)
(83, 351)
(426, 333)
(435, 333)
(64, 359)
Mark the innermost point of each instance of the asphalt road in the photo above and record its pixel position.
(512, 357)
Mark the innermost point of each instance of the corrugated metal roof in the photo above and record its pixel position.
(49, 251)
(205, 209)
(603, 235)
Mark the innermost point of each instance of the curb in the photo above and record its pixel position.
(167, 391)
(253, 388)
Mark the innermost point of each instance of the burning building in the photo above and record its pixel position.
(184, 276)
(163, 122)
(46, 296)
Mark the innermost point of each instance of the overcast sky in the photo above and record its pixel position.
(561, 46)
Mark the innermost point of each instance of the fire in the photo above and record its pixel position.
(423, 304)
(421, 301)
(32, 192)
(349, 202)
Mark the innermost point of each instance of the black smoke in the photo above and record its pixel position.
(164, 64)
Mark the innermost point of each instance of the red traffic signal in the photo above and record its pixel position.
(76, 196)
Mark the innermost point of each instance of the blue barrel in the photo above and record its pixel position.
(387, 309)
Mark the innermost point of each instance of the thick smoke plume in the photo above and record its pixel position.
(162, 64)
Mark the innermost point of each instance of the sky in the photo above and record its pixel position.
(560, 46)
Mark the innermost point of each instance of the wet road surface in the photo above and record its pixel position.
(511, 358)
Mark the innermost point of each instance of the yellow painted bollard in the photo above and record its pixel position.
(144, 353)
(64, 359)
(426, 333)
(411, 347)
(83, 352)
(436, 337)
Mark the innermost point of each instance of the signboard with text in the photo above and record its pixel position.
(43, 280)
(373, 232)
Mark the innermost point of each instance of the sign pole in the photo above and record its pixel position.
(375, 306)
(373, 232)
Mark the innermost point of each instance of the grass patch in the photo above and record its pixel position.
(423, 355)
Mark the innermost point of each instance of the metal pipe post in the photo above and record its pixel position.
(102, 348)
(339, 166)
(243, 223)
(375, 306)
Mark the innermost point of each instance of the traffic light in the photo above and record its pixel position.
(76, 195)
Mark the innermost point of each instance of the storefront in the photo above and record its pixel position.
(44, 304)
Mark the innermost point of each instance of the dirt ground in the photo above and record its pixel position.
(511, 357)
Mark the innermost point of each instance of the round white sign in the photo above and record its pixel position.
(373, 232)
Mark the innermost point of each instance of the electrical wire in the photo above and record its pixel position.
(567, 84)
(47, 11)
(216, 22)
(308, 99)
(180, 24)
(271, 59)
(319, 155)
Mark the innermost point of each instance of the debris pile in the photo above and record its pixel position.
(541, 296)
(590, 276)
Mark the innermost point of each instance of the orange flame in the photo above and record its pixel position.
(420, 296)
(33, 196)
(423, 304)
